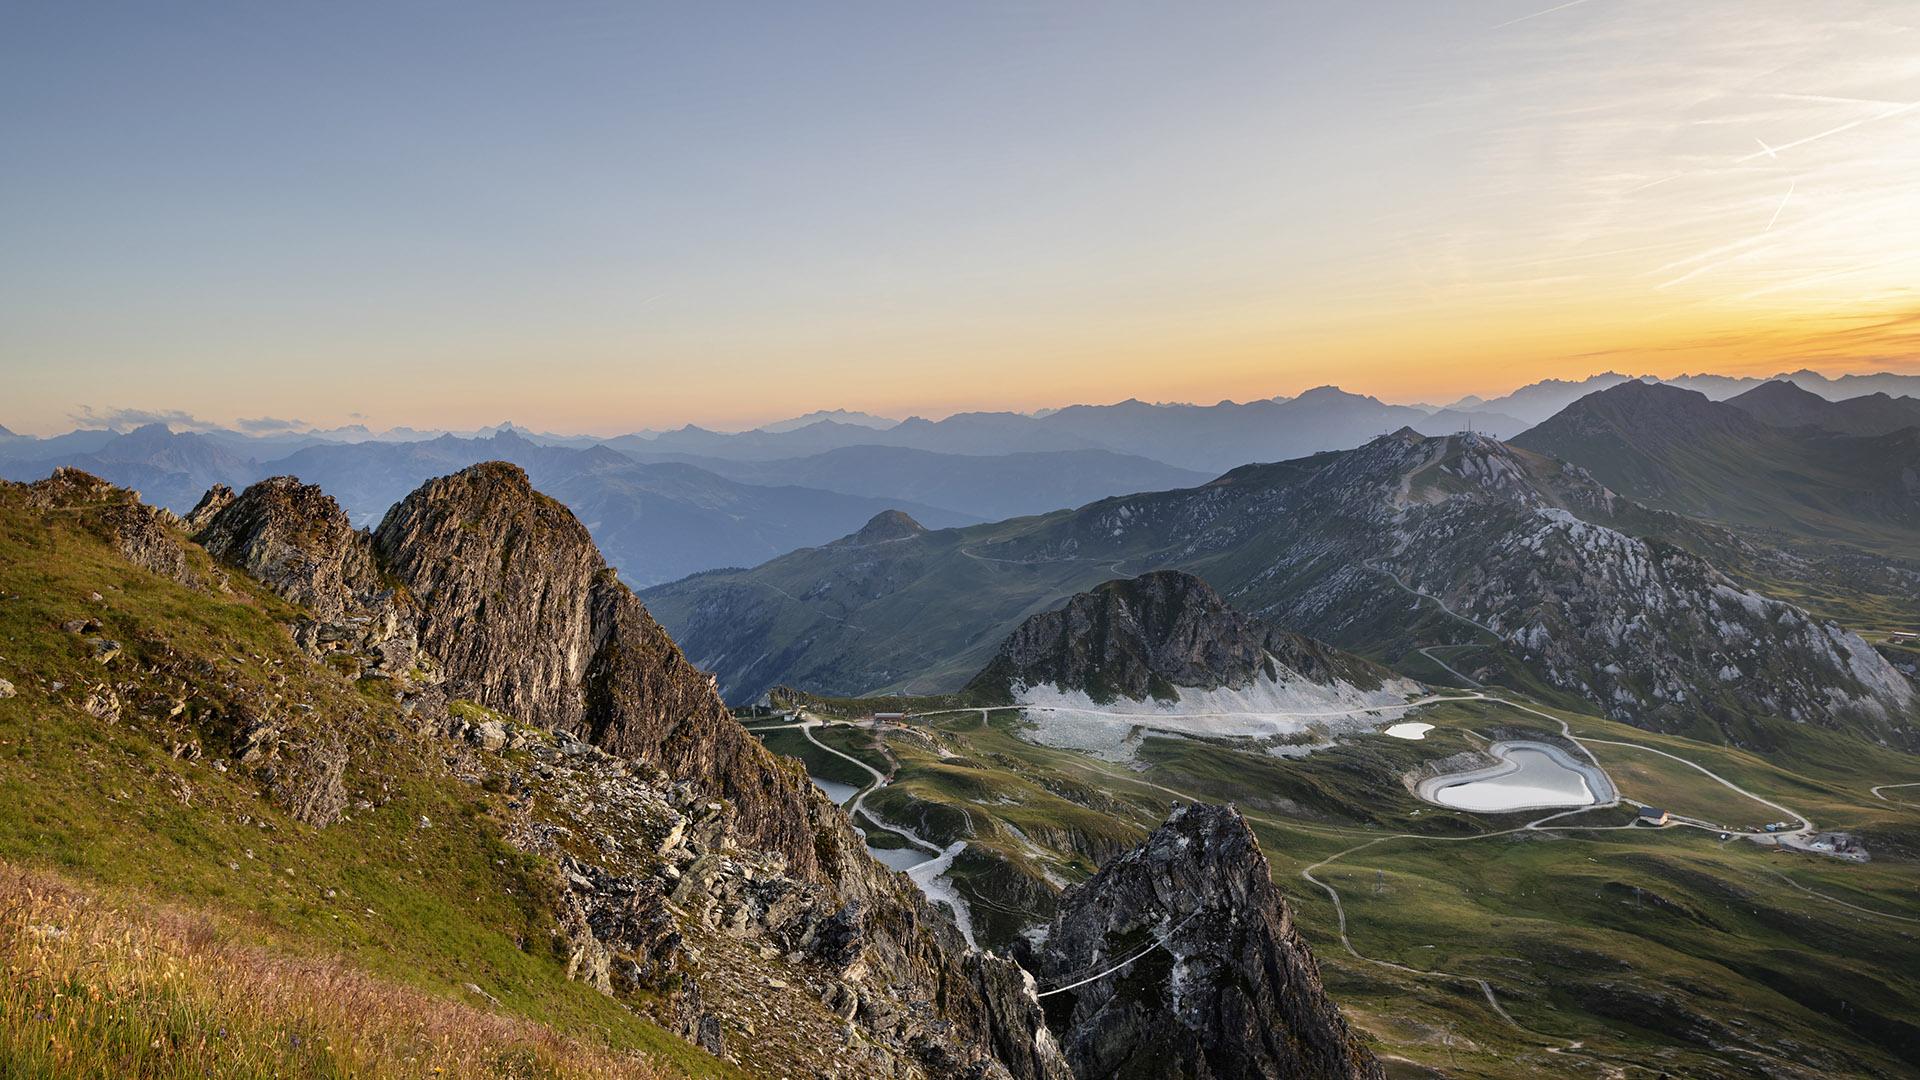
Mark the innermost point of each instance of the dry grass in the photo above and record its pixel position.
(96, 988)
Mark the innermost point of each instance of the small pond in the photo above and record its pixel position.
(835, 790)
(899, 858)
(1530, 776)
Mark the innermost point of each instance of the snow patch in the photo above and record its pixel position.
(1288, 704)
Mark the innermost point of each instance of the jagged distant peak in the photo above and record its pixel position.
(154, 430)
(850, 417)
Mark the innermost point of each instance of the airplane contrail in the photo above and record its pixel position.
(1537, 14)
(1774, 151)
(1833, 99)
(1791, 184)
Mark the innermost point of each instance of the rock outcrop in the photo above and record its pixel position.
(500, 577)
(143, 534)
(1188, 964)
(295, 539)
(217, 498)
(1151, 635)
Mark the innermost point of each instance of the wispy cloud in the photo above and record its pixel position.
(270, 425)
(179, 420)
(119, 419)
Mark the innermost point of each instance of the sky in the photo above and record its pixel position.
(612, 216)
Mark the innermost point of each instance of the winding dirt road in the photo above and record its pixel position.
(926, 874)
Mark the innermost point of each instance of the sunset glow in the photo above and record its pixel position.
(480, 214)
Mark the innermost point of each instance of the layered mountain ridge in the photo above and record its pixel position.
(1678, 450)
(1786, 404)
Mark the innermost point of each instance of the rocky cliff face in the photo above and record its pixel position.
(1152, 635)
(496, 596)
(1187, 964)
(500, 576)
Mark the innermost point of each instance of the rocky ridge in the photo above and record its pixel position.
(143, 534)
(479, 593)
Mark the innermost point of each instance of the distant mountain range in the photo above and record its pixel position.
(1786, 404)
(838, 416)
(656, 522)
(1537, 401)
(682, 501)
(1588, 592)
(1680, 451)
(169, 470)
(989, 487)
(1203, 438)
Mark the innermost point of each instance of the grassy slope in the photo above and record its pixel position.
(113, 986)
(1665, 948)
(417, 888)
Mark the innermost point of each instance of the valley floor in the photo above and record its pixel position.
(1575, 942)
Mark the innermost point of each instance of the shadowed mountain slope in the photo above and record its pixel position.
(1787, 405)
(1675, 449)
